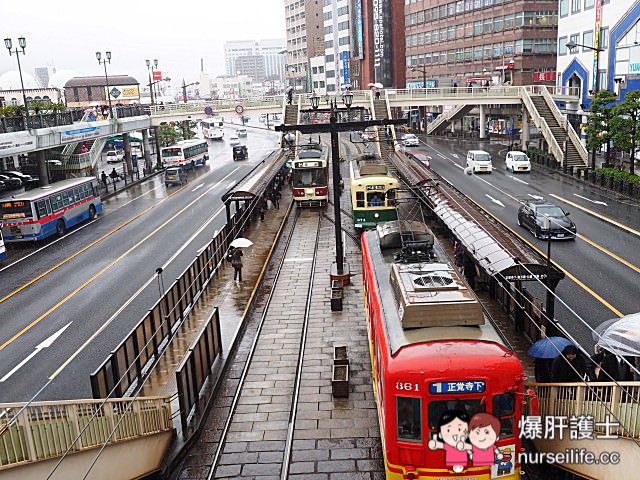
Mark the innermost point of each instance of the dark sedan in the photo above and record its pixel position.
(532, 215)
(11, 182)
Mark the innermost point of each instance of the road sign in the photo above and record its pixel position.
(239, 109)
(208, 111)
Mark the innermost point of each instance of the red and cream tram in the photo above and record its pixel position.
(448, 389)
(310, 175)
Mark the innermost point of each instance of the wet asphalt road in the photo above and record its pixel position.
(103, 274)
(602, 265)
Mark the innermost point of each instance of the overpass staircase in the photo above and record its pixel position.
(563, 141)
(609, 416)
(444, 119)
(385, 135)
(66, 439)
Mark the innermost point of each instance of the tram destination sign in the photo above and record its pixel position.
(375, 187)
(457, 386)
(308, 164)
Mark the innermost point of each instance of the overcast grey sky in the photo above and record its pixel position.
(67, 33)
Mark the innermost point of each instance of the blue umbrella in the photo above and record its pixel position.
(548, 347)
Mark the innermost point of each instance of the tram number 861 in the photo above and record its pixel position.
(407, 387)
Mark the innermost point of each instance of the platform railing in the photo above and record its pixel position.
(614, 406)
(45, 430)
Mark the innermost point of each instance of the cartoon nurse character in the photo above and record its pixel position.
(484, 430)
(453, 428)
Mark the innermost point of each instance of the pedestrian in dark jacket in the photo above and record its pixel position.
(469, 268)
(458, 253)
(104, 179)
(568, 367)
(542, 369)
(236, 262)
(609, 368)
(262, 206)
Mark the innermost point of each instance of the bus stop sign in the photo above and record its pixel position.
(208, 111)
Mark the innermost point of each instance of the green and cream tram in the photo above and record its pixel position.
(373, 192)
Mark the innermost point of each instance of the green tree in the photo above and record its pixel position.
(598, 129)
(168, 135)
(626, 131)
(188, 129)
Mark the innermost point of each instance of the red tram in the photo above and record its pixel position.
(310, 175)
(448, 389)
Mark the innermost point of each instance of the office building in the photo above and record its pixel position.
(617, 63)
(271, 52)
(304, 24)
(475, 42)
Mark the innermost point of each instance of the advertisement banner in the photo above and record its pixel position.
(596, 43)
(359, 35)
(345, 67)
(381, 41)
(18, 143)
(419, 84)
(81, 134)
(123, 92)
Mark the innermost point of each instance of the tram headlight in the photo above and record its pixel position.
(376, 215)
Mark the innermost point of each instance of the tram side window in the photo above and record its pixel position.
(408, 418)
(391, 197)
(504, 409)
(439, 408)
(360, 199)
(375, 199)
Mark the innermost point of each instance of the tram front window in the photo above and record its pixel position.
(438, 408)
(408, 418)
(309, 178)
(375, 199)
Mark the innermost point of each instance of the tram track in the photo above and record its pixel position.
(270, 321)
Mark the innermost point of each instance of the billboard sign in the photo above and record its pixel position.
(596, 42)
(359, 34)
(381, 41)
(345, 67)
(430, 84)
(123, 92)
(634, 60)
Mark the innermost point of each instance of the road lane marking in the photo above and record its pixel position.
(45, 344)
(608, 252)
(441, 156)
(135, 295)
(518, 179)
(76, 230)
(592, 201)
(103, 270)
(535, 197)
(198, 187)
(596, 214)
(494, 200)
(566, 272)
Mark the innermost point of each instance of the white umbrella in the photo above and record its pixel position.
(289, 88)
(378, 85)
(622, 336)
(241, 243)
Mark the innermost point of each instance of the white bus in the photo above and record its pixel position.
(213, 128)
(45, 211)
(187, 154)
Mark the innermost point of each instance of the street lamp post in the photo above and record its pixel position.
(106, 77)
(424, 74)
(333, 128)
(550, 304)
(23, 44)
(148, 62)
(184, 89)
(596, 83)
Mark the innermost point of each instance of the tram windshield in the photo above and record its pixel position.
(312, 177)
(470, 406)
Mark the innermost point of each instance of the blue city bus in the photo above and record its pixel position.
(45, 211)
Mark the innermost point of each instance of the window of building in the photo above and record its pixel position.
(328, 44)
(343, 25)
(321, 69)
(331, 87)
(477, 52)
(497, 50)
(488, 25)
(562, 46)
(477, 4)
(460, 6)
(602, 79)
(477, 27)
(420, 16)
(343, 10)
(468, 54)
(587, 40)
(427, 58)
(488, 3)
(529, 19)
(451, 9)
(435, 58)
(497, 24)
(460, 30)
(451, 56)
(331, 73)
(589, 4)
(544, 45)
(328, 30)
(509, 21)
(343, 41)
(468, 5)
(564, 8)
(76, 94)
(328, 15)
(487, 51)
(508, 48)
(314, 70)
(321, 83)
(435, 13)
(451, 32)
(603, 40)
(328, 59)
(443, 11)
(468, 29)
(459, 54)
(575, 38)
(89, 94)
(420, 39)
(575, 6)
(427, 38)
(434, 36)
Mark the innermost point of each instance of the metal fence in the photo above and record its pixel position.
(41, 120)
(130, 362)
(194, 369)
(46, 430)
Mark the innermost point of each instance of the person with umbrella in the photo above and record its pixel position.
(568, 367)
(545, 351)
(289, 95)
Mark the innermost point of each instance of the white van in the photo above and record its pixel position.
(479, 161)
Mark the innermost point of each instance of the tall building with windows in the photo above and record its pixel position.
(337, 42)
(270, 66)
(617, 23)
(304, 26)
(477, 41)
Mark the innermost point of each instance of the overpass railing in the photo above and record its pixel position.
(218, 105)
(45, 430)
(614, 406)
(41, 120)
(543, 126)
(562, 121)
